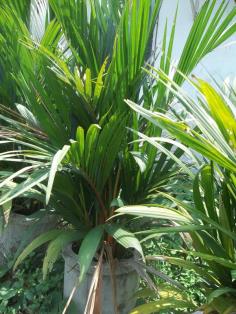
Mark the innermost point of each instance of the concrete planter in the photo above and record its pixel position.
(22, 228)
(127, 282)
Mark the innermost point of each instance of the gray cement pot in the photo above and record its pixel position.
(22, 228)
(127, 283)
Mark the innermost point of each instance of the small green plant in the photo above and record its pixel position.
(189, 296)
(171, 245)
(25, 291)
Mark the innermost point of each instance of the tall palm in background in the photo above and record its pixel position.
(35, 16)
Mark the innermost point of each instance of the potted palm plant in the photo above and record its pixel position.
(89, 163)
(83, 153)
(211, 133)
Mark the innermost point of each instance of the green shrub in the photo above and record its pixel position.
(25, 291)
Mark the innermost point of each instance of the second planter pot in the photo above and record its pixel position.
(126, 278)
(22, 228)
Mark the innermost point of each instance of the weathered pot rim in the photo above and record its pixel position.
(122, 266)
(26, 219)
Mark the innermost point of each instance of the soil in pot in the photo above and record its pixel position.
(25, 206)
(126, 278)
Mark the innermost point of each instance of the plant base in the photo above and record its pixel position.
(126, 278)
